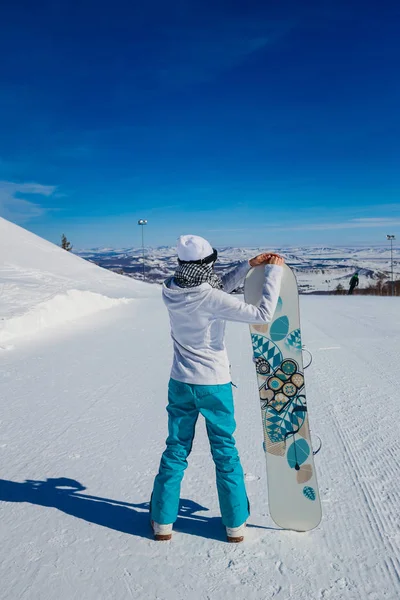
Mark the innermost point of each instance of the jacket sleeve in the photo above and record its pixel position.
(230, 308)
(234, 277)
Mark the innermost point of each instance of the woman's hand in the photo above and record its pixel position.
(269, 258)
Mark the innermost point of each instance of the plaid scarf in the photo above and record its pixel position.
(189, 275)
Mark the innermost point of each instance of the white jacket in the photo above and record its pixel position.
(197, 316)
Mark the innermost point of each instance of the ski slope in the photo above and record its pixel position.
(83, 424)
(42, 286)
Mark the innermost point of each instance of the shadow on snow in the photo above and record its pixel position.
(66, 495)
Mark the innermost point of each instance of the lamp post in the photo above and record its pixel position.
(142, 223)
(391, 238)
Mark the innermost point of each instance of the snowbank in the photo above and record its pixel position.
(43, 286)
(63, 308)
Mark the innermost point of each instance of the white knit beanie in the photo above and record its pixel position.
(193, 247)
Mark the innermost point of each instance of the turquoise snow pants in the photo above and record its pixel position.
(185, 403)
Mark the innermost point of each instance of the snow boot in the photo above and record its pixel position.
(162, 533)
(235, 534)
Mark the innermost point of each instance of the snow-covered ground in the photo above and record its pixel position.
(83, 425)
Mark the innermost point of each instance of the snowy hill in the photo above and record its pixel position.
(42, 286)
(83, 424)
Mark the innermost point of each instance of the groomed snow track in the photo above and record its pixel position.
(82, 427)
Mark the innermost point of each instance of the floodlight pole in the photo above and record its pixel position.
(142, 223)
(391, 238)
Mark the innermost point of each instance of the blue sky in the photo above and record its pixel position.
(248, 122)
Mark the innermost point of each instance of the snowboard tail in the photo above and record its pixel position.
(277, 353)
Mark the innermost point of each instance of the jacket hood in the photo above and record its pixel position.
(173, 292)
(184, 299)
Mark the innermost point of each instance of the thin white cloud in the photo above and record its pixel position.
(383, 220)
(352, 224)
(195, 53)
(15, 207)
(230, 230)
(394, 206)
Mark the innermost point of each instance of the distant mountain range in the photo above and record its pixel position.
(318, 269)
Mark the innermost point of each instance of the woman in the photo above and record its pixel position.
(199, 303)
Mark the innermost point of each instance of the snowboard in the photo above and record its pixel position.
(293, 495)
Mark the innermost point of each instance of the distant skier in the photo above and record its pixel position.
(199, 303)
(354, 281)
